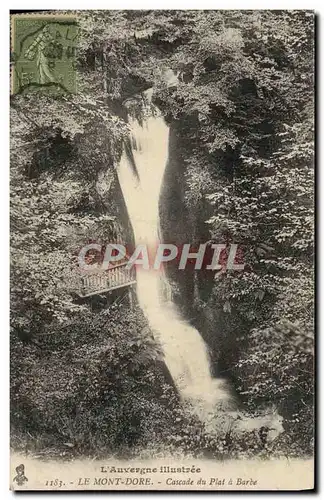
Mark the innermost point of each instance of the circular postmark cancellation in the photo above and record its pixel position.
(43, 53)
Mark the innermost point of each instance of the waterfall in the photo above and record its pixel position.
(185, 352)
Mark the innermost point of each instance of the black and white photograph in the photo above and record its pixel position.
(162, 250)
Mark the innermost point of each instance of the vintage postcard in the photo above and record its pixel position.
(162, 250)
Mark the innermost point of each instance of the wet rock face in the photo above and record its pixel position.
(182, 223)
(112, 195)
(175, 217)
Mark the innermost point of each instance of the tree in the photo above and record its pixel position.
(243, 110)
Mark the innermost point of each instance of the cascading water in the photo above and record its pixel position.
(185, 352)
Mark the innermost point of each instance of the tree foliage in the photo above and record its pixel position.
(244, 102)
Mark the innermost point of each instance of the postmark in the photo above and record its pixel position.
(43, 53)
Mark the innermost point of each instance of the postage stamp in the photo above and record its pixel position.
(43, 52)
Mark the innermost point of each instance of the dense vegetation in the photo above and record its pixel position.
(83, 375)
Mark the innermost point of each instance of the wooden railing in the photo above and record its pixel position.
(118, 276)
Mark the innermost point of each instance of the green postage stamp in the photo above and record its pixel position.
(43, 52)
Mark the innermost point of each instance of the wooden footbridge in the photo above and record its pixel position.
(99, 282)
